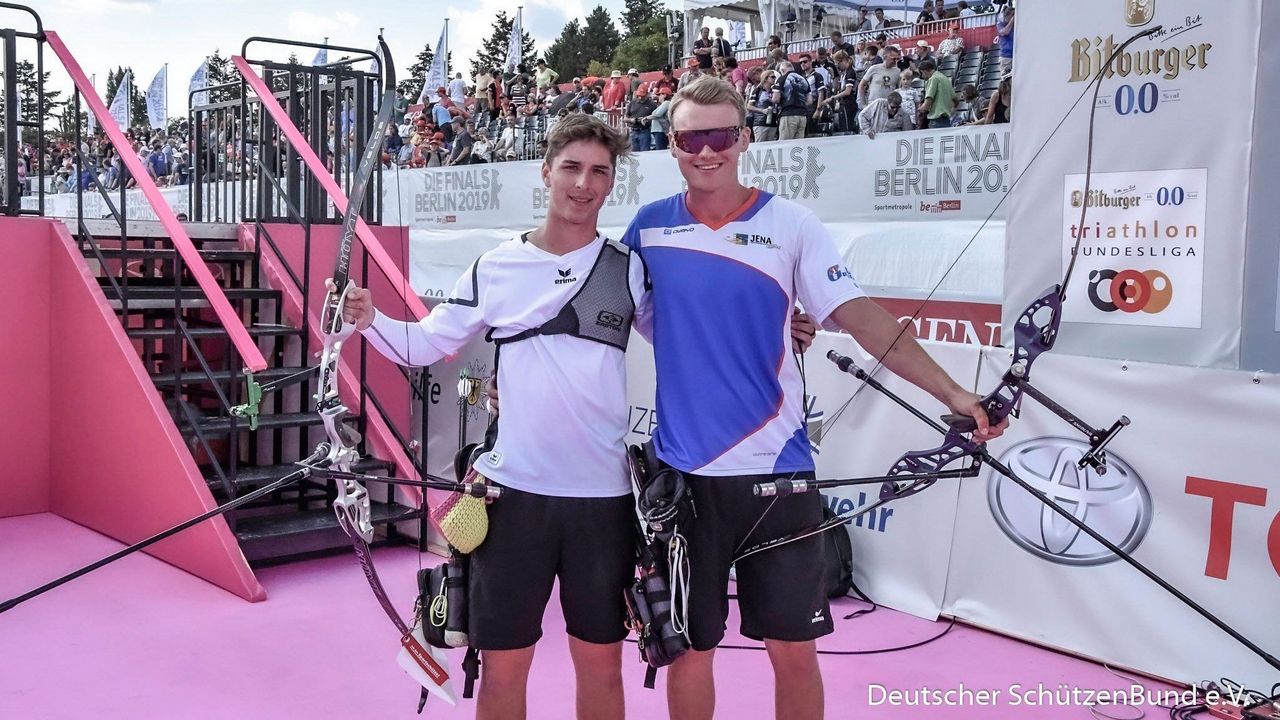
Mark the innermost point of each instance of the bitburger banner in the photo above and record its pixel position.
(1158, 273)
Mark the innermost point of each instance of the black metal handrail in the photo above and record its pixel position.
(299, 196)
(12, 135)
(183, 344)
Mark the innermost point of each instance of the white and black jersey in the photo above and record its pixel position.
(564, 407)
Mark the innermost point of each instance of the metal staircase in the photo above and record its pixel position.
(195, 369)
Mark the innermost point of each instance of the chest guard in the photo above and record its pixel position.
(601, 310)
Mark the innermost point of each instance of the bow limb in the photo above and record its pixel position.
(352, 505)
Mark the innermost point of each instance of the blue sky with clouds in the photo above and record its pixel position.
(146, 34)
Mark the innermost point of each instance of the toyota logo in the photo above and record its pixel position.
(1116, 505)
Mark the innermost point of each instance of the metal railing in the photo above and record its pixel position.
(284, 180)
(188, 387)
(895, 32)
(183, 246)
(13, 185)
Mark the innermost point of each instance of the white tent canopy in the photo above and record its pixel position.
(765, 16)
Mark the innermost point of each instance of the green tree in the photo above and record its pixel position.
(221, 71)
(493, 53)
(598, 69)
(564, 55)
(645, 49)
(29, 97)
(638, 13)
(600, 36)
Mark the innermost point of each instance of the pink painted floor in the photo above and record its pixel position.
(141, 639)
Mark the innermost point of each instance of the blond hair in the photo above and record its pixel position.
(709, 91)
(573, 128)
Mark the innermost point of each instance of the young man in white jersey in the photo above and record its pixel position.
(725, 263)
(559, 301)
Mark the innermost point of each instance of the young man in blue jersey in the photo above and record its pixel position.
(726, 263)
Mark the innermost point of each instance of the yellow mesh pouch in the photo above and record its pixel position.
(463, 519)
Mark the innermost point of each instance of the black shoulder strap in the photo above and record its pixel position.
(471, 672)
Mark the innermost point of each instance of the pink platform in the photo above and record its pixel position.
(91, 438)
(140, 639)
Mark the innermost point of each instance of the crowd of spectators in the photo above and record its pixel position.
(95, 163)
(869, 87)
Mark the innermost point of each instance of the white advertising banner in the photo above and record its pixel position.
(901, 550)
(1167, 181)
(63, 205)
(1191, 492)
(902, 208)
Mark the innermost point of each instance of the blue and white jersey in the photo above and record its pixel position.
(730, 393)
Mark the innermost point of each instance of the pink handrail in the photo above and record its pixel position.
(336, 195)
(244, 344)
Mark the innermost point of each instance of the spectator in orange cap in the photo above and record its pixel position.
(659, 120)
(693, 72)
(638, 111)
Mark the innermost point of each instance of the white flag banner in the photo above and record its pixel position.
(514, 48)
(199, 81)
(737, 32)
(120, 103)
(321, 58)
(157, 100)
(438, 73)
(93, 121)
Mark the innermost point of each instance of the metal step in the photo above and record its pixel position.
(222, 425)
(196, 376)
(209, 256)
(144, 296)
(162, 333)
(197, 231)
(272, 537)
(255, 475)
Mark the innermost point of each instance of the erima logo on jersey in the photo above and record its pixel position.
(817, 617)
(835, 272)
(745, 239)
(676, 231)
(564, 276)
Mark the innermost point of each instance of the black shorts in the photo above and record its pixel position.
(588, 543)
(781, 593)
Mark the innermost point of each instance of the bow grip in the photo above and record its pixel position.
(960, 423)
